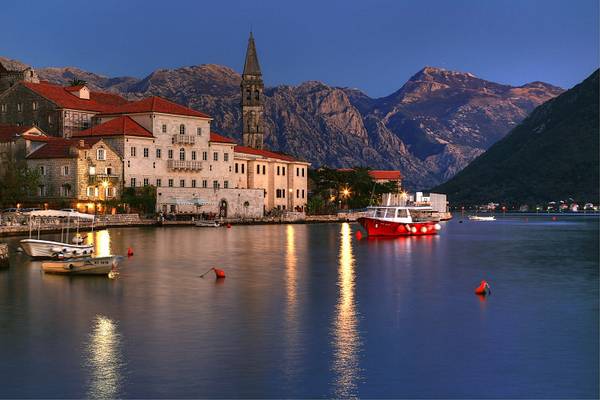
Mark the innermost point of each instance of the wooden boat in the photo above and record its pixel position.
(479, 218)
(208, 224)
(82, 266)
(38, 248)
(398, 221)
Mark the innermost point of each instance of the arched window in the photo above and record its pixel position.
(182, 154)
(248, 95)
(256, 95)
(182, 129)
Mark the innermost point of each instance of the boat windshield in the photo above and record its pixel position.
(401, 213)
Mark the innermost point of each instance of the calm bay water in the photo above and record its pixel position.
(310, 311)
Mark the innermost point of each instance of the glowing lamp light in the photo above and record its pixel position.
(346, 192)
(105, 184)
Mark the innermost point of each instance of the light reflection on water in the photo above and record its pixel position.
(101, 241)
(346, 338)
(104, 360)
(291, 314)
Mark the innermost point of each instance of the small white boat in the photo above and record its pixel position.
(208, 224)
(479, 218)
(39, 248)
(82, 266)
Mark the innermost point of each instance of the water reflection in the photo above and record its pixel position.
(346, 340)
(104, 359)
(101, 242)
(291, 311)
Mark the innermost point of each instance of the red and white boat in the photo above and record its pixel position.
(399, 221)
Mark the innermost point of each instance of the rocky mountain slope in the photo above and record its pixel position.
(430, 128)
(551, 155)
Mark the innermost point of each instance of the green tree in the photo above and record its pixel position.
(77, 82)
(141, 199)
(18, 185)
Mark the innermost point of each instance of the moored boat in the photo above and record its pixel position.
(82, 266)
(39, 248)
(207, 223)
(399, 221)
(480, 218)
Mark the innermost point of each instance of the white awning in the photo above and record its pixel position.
(186, 202)
(59, 213)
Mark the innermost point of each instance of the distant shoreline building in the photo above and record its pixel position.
(156, 142)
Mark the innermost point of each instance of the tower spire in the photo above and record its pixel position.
(251, 65)
(252, 87)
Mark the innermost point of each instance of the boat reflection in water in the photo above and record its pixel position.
(104, 360)
(346, 338)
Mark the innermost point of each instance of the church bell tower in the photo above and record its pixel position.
(252, 87)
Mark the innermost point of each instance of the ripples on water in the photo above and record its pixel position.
(346, 338)
(104, 360)
(310, 311)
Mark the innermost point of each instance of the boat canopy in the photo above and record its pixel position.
(59, 213)
(186, 202)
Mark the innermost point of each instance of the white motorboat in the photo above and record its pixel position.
(39, 248)
(208, 224)
(82, 266)
(480, 218)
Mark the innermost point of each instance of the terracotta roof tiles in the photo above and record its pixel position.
(62, 97)
(120, 126)
(154, 104)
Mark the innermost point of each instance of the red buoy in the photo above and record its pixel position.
(229, 225)
(358, 235)
(129, 252)
(219, 273)
(483, 289)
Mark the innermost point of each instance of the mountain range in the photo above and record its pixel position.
(430, 128)
(551, 155)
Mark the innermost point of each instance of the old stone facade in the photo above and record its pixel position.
(58, 111)
(11, 73)
(77, 171)
(21, 106)
(15, 143)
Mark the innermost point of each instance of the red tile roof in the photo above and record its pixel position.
(59, 148)
(119, 126)
(215, 137)
(389, 175)
(264, 153)
(155, 104)
(8, 133)
(65, 99)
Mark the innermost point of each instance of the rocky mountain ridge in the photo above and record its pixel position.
(430, 128)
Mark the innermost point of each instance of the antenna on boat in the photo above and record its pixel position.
(372, 194)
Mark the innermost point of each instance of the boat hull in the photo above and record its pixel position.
(83, 266)
(377, 227)
(49, 249)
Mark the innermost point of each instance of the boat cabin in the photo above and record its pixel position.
(400, 214)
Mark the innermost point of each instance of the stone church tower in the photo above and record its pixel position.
(252, 87)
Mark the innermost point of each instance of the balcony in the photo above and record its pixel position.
(184, 165)
(184, 139)
(99, 178)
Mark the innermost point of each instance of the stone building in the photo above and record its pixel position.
(12, 72)
(76, 171)
(57, 110)
(15, 143)
(252, 87)
(156, 142)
